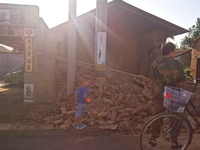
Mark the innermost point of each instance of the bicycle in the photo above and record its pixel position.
(172, 123)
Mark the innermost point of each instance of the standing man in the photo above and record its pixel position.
(165, 71)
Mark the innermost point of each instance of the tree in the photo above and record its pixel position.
(194, 32)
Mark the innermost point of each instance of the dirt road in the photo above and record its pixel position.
(59, 140)
(70, 140)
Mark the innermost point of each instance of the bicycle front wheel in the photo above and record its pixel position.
(166, 128)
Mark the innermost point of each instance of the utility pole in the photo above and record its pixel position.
(101, 40)
(71, 52)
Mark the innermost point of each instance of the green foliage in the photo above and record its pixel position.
(194, 32)
(187, 72)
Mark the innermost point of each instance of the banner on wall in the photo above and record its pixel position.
(29, 55)
(101, 48)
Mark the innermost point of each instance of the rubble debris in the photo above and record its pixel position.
(122, 103)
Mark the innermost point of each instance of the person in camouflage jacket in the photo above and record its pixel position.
(165, 71)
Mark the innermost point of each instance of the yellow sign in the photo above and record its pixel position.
(29, 55)
(100, 79)
(100, 73)
(100, 67)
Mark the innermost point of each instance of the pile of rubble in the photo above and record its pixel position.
(123, 103)
(117, 105)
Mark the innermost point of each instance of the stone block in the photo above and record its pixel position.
(113, 115)
(70, 113)
(68, 122)
(102, 122)
(63, 110)
(58, 122)
(64, 126)
(94, 113)
(123, 115)
(103, 115)
(110, 122)
(108, 101)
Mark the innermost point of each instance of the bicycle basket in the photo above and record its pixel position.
(176, 99)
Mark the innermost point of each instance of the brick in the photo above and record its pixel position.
(89, 114)
(123, 115)
(58, 122)
(110, 122)
(63, 110)
(108, 101)
(100, 89)
(129, 110)
(68, 122)
(102, 122)
(70, 113)
(108, 127)
(64, 126)
(113, 115)
(107, 93)
(94, 113)
(103, 115)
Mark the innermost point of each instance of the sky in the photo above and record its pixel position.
(183, 13)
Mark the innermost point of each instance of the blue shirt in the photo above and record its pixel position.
(82, 93)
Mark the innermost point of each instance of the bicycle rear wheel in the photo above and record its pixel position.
(165, 127)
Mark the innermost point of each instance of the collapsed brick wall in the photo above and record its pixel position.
(60, 75)
(123, 103)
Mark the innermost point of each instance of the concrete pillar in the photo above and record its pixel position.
(101, 40)
(29, 64)
(71, 72)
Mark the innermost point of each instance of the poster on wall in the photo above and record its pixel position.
(101, 48)
(28, 91)
(29, 55)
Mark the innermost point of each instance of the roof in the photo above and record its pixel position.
(195, 42)
(17, 6)
(182, 52)
(133, 18)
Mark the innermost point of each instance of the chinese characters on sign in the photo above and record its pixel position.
(29, 55)
(9, 15)
(6, 31)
